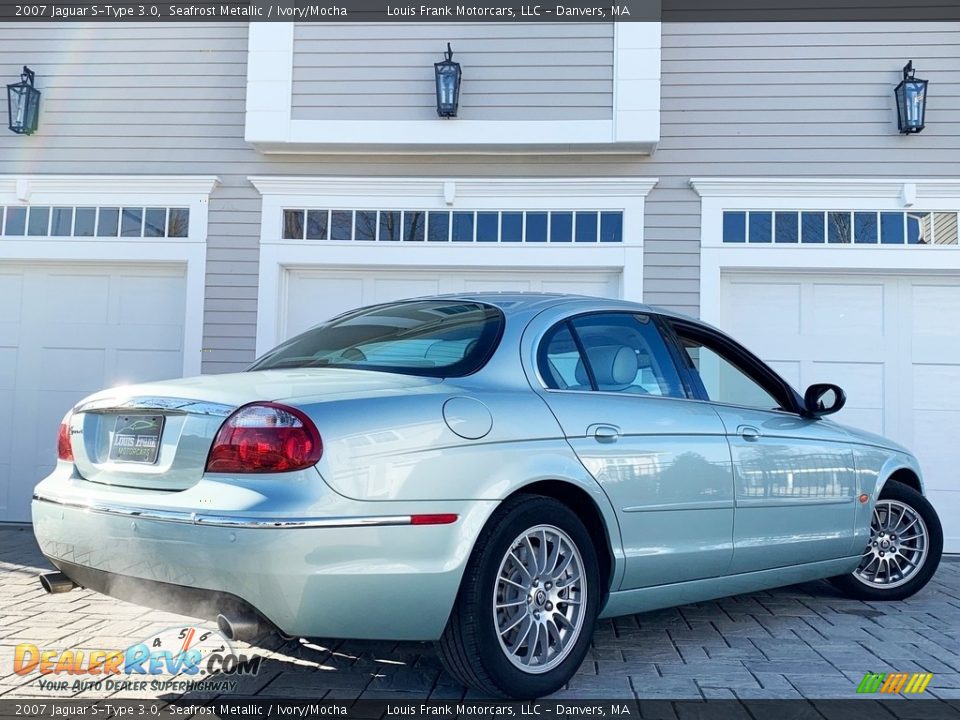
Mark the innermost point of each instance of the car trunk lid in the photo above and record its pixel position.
(158, 435)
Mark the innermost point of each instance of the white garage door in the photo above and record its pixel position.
(67, 331)
(890, 341)
(316, 295)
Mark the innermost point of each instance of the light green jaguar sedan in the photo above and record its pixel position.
(492, 472)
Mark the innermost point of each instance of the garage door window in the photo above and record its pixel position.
(127, 222)
(839, 227)
(482, 226)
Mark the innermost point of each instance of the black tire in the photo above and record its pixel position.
(853, 587)
(470, 647)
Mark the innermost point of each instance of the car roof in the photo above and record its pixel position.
(513, 301)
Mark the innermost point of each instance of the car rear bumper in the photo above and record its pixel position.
(362, 572)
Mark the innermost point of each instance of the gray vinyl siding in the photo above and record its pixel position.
(365, 71)
(737, 100)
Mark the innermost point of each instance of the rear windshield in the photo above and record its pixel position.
(423, 337)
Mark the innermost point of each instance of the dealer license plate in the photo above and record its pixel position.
(136, 438)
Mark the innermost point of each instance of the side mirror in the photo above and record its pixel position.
(823, 399)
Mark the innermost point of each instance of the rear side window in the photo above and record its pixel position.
(424, 337)
(609, 352)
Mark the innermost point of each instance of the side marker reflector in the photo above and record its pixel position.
(435, 519)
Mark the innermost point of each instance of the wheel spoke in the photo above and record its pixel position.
(514, 583)
(516, 622)
(521, 636)
(521, 565)
(533, 556)
(532, 642)
(542, 555)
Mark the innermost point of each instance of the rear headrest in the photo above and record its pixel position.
(612, 364)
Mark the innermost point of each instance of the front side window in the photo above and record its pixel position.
(434, 338)
(723, 381)
(609, 352)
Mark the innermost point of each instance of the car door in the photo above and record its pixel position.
(617, 390)
(795, 478)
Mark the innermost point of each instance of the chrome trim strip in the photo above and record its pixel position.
(170, 404)
(702, 505)
(189, 518)
(793, 502)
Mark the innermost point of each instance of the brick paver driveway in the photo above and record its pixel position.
(801, 641)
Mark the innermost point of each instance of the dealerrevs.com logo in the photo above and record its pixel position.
(192, 654)
(893, 683)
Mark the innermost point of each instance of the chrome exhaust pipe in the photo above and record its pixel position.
(242, 626)
(56, 582)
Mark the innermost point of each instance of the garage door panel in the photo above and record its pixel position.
(935, 442)
(604, 288)
(398, 288)
(935, 311)
(773, 306)
(79, 329)
(83, 299)
(846, 308)
(150, 300)
(8, 368)
(500, 285)
(136, 366)
(936, 387)
(11, 292)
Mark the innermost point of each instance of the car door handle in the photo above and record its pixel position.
(604, 433)
(748, 432)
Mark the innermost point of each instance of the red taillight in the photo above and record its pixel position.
(265, 438)
(64, 448)
(435, 519)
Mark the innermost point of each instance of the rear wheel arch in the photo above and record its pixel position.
(585, 507)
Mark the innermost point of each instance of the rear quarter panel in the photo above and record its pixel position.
(400, 449)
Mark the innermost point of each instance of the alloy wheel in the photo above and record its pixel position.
(898, 546)
(539, 599)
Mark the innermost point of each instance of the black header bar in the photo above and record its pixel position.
(738, 11)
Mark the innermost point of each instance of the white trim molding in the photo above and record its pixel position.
(633, 126)
(817, 194)
(279, 255)
(189, 252)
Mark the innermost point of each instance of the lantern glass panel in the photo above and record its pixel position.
(911, 96)
(24, 104)
(448, 88)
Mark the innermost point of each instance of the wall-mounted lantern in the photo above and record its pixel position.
(23, 104)
(448, 85)
(911, 95)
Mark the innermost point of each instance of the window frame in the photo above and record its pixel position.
(738, 356)
(662, 328)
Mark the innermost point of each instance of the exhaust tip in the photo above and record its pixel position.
(242, 627)
(56, 582)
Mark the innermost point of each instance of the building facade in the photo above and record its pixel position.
(197, 192)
